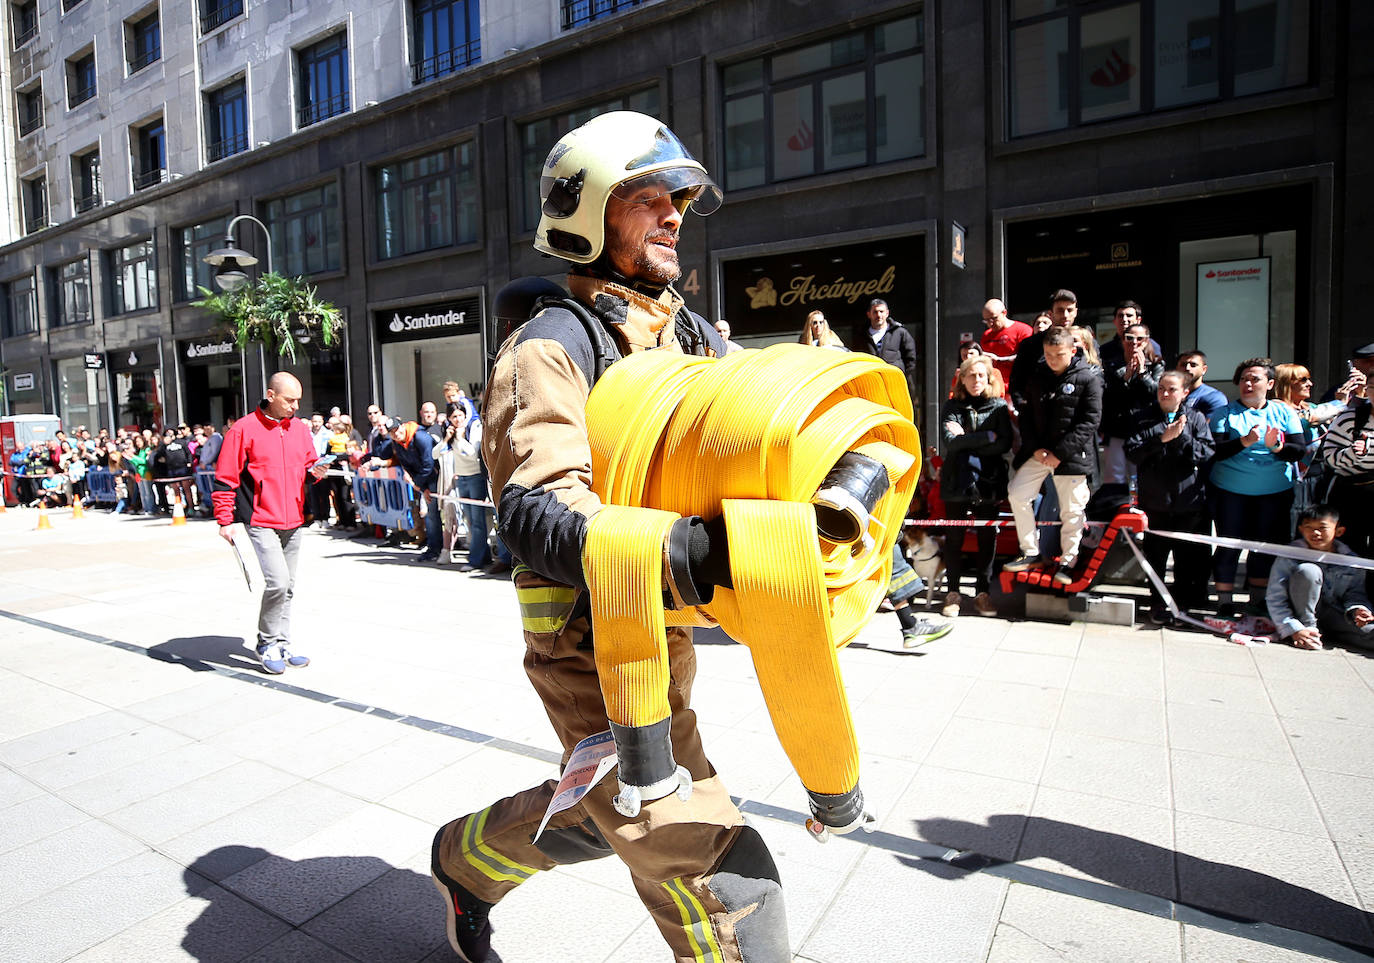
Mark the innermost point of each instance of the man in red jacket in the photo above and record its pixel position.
(260, 481)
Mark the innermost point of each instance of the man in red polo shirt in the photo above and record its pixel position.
(1001, 337)
(260, 481)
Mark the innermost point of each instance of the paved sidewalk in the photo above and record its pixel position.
(1044, 792)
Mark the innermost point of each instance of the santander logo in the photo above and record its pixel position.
(1211, 274)
(397, 325)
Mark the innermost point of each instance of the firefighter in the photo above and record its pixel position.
(615, 193)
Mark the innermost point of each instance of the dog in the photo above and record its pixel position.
(923, 553)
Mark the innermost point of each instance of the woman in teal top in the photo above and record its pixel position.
(1258, 442)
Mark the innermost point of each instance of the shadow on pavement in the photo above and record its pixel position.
(1131, 864)
(200, 653)
(330, 908)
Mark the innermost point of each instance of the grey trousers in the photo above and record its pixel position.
(1305, 591)
(277, 550)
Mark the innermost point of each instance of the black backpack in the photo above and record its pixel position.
(523, 298)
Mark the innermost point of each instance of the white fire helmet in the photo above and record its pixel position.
(617, 153)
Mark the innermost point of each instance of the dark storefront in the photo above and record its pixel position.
(767, 297)
(212, 376)
(136, 376)
(1227, 274)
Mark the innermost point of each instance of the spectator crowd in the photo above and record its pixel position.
(438, 456)
(1057, 428)
(1041, 421)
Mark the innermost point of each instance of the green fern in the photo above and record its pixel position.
(275, 311)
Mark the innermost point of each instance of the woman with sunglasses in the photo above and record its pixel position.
(1293, 387)
(1128, 400)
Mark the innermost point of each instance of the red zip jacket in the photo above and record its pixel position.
(261, 472)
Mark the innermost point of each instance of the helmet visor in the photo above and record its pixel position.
(688, 186)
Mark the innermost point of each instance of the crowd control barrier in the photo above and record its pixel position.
(100, 486)
(384, 497)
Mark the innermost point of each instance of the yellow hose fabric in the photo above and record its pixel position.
(750, 436)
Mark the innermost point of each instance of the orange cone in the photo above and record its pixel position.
(77, 510)
(178, 511)
(43, 518)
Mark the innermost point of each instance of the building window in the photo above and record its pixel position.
(80, 79)
(144, 39)
(226, 121)
(150, 166)
(86, 181)
(447, 38)
(68, 4)
(24, 20)
(323, 72)
(214, 13)
(21, 310)
(306, 237)
(133, 277)
(537, 139)
(192, 244)
(427, 202)
(35, 204)
(854, 100)
(71, 288)
(1075, 62)
(578, 12)
(30, 110)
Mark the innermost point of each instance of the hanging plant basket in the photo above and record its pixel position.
(280, 313)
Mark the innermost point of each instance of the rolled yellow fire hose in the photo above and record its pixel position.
(751, 436)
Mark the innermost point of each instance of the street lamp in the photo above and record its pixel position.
(229, 261)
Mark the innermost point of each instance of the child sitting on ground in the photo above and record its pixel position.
(1310, 601)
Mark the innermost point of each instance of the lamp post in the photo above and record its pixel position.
(229, 261)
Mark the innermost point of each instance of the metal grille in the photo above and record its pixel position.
(446, 62)
(148, 178)
(322, 110)
(229, 146)
(217, 13)
(144, 59)
(579, 12)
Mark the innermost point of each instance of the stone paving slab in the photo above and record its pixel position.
(1089, 775)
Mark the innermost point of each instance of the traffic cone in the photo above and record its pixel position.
(43, 518)
(178, 511)
(77, 510)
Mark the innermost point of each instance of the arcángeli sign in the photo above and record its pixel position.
(414, 322)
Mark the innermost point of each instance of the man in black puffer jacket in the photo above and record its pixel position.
(1059, 424)
(1169, 454)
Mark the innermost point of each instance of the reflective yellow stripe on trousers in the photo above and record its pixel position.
(750, 436)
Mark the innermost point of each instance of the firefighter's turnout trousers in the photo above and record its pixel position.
(705, 876)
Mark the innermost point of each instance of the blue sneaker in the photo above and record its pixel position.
(293, 660)
(272, 655)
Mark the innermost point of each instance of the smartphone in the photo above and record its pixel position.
(326, 459)
(1170, 417)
